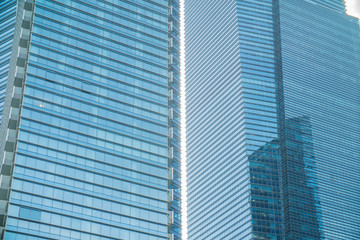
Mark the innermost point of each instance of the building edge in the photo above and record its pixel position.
(13, 103)
(174, 163)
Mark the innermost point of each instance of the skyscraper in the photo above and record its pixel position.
(89, 99)
(273, 106)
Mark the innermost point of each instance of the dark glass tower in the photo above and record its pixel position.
(320, 129)
(273, 90)
(89, 101)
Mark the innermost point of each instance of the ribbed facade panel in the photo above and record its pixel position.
(218, 188)
(337, 5)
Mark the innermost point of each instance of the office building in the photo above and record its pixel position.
(89, 97)
(273, 106)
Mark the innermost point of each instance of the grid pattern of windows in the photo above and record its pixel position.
(320, 128)
(92, 157)
(7, 27)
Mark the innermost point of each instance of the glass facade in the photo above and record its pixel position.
(7, 27)
(258, 80)
(272, 120)
(217, 190)
(233, 152)
(337, 5)
(97, 149)
(320, 101)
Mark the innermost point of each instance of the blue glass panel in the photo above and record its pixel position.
(320, 128)
(7, 27)
(92, 157)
